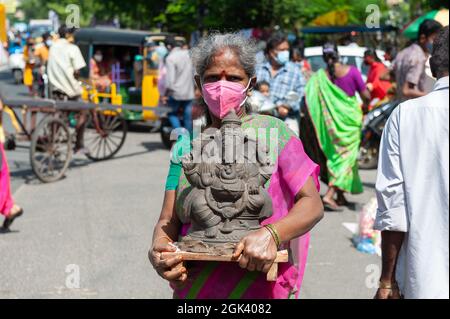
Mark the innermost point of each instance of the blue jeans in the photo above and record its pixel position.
(174, 116)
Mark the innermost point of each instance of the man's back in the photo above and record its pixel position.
(413, 191)
(180, 74)
(424, 142)
(64, 60)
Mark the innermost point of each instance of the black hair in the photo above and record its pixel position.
(392, 51)
(261, 83)
(275, 40)
(439, 56)
(45, 36)
(29, 40)
(64, 30)
(373, 54)
(300, 51)
(428, 27)
(170, 41)
(330, 56)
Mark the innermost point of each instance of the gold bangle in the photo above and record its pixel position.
(271, 234)
(274, 234)
(385, 285)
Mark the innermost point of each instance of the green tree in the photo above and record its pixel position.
(185, 16)
(38, 9)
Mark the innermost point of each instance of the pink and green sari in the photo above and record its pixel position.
(222, 280)
(337, 121)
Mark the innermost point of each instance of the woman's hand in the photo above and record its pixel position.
(170, 269)
(257, 251)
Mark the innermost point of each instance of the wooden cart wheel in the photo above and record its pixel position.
(51, 149)
(104, 135)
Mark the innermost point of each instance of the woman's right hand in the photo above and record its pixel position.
(171, 269)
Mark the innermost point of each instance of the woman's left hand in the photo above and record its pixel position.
(257, 251)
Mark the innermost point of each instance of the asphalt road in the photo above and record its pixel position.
(95, 225)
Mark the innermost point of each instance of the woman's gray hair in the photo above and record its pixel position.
(205, 50)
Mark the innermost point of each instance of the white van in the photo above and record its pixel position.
(351, 55)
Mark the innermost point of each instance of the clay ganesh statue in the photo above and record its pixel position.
(226, 198)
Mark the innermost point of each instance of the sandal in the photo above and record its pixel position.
(330, 206)
(10, 219)
(343, 202)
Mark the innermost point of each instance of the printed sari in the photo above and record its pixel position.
(337, 121)
(6, 201)
(221, 280)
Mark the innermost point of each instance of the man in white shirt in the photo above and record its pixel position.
(413, 191)
(64, 63)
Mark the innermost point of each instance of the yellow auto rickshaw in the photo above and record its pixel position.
(131, 60)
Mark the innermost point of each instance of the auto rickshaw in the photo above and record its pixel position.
(133, 81)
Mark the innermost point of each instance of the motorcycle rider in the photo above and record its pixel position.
(41, 53)
(64, 63)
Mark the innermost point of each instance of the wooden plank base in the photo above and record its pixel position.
(282, 257)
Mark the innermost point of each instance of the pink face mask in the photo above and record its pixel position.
(223, 96)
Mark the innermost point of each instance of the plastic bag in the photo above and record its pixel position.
(367, 239)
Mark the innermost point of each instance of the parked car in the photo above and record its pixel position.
(352, 55)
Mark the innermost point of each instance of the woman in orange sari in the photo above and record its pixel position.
(30, 63)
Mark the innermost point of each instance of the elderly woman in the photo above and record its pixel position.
(225, 72)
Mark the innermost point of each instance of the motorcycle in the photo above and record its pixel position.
(372, 130)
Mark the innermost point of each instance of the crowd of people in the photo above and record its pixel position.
(319, 137)
(328, 114)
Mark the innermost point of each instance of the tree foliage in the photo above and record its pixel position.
(185, 16)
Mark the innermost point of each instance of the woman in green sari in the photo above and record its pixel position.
(336, 117)
(225, 67)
